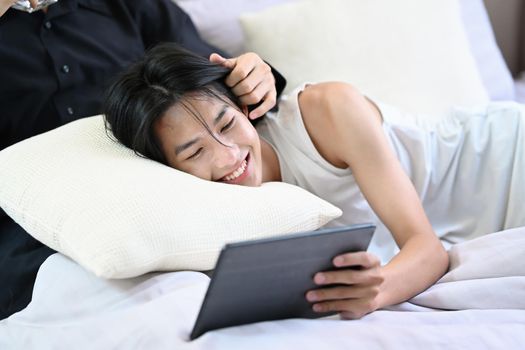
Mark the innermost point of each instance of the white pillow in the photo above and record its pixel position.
(120, 215)
(218, 24)
(410, 53)
(218, 21)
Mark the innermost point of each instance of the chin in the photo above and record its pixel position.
(253, 182)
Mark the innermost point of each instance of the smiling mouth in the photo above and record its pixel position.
(239, 173)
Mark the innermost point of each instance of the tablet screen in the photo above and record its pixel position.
(267, 279)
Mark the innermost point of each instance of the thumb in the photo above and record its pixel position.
(218, 59)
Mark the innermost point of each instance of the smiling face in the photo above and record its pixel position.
(229, 152)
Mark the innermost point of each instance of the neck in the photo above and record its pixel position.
(271, 170)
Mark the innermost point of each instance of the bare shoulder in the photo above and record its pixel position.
(335, 113)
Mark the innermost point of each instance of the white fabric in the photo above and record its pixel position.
(468, 169)
(72, 309)
(494, 72)
(418, 62)
(520, 88)
(120, 215)
(218, 23)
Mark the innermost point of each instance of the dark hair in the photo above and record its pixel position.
(148, 88)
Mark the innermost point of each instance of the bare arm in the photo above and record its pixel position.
(347, 130)
(5, 5)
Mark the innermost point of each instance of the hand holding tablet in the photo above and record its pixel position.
(268, 279)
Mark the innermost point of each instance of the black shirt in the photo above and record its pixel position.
(54, 68)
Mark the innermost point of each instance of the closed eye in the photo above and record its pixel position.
(228, 126)
(196, 154)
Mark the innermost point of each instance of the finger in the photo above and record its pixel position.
(255, 78)
(349, 308)
(269, 102)
(364, 259)
(337, 293)
(366, 277)
(240, 71)
(256, 95)
(218, 59)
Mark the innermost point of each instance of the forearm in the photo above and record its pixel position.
(4, 5)
(420, 263)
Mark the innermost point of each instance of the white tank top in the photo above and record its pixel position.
(470, 176)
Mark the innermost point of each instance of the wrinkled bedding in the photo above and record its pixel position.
(478, 304)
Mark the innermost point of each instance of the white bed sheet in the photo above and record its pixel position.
(73, 309)
(519, 86)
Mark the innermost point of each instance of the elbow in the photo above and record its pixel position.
(442, 260)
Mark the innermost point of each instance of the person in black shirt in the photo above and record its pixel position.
(55, 65)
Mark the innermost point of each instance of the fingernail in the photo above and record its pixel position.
(311, 296)
(319, 278)
(317, 308)
(338, 261)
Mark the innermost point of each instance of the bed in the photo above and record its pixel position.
(478, 304)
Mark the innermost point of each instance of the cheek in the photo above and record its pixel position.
(249, 133)
(200, 168)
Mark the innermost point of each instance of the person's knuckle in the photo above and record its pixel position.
(244, 70)
(244, 87)
(341, 293)
(374, 291)
(253, 56)
(259, 94)
(266, 68)
(271, 99)
(367, 258)
(378, 276)
(230, 81)
(348, 315)
(321, 294)
(368, 305)
(251, 99)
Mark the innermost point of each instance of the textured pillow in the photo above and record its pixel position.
(421, 63)
(119, 215)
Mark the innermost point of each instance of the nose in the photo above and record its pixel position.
(226, 156)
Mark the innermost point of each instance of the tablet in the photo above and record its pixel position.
(267, 279)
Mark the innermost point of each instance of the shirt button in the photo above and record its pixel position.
(48, 25)
(70, 110)
(65, 68)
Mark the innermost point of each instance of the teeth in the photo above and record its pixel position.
(237, 172)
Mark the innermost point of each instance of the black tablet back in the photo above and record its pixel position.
(267, 279)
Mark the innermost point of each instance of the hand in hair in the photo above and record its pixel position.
(251, 80)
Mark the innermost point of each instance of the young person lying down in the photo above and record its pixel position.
(466, 173)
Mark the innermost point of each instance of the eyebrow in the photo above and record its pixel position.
(190, 143)
(220, 115)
